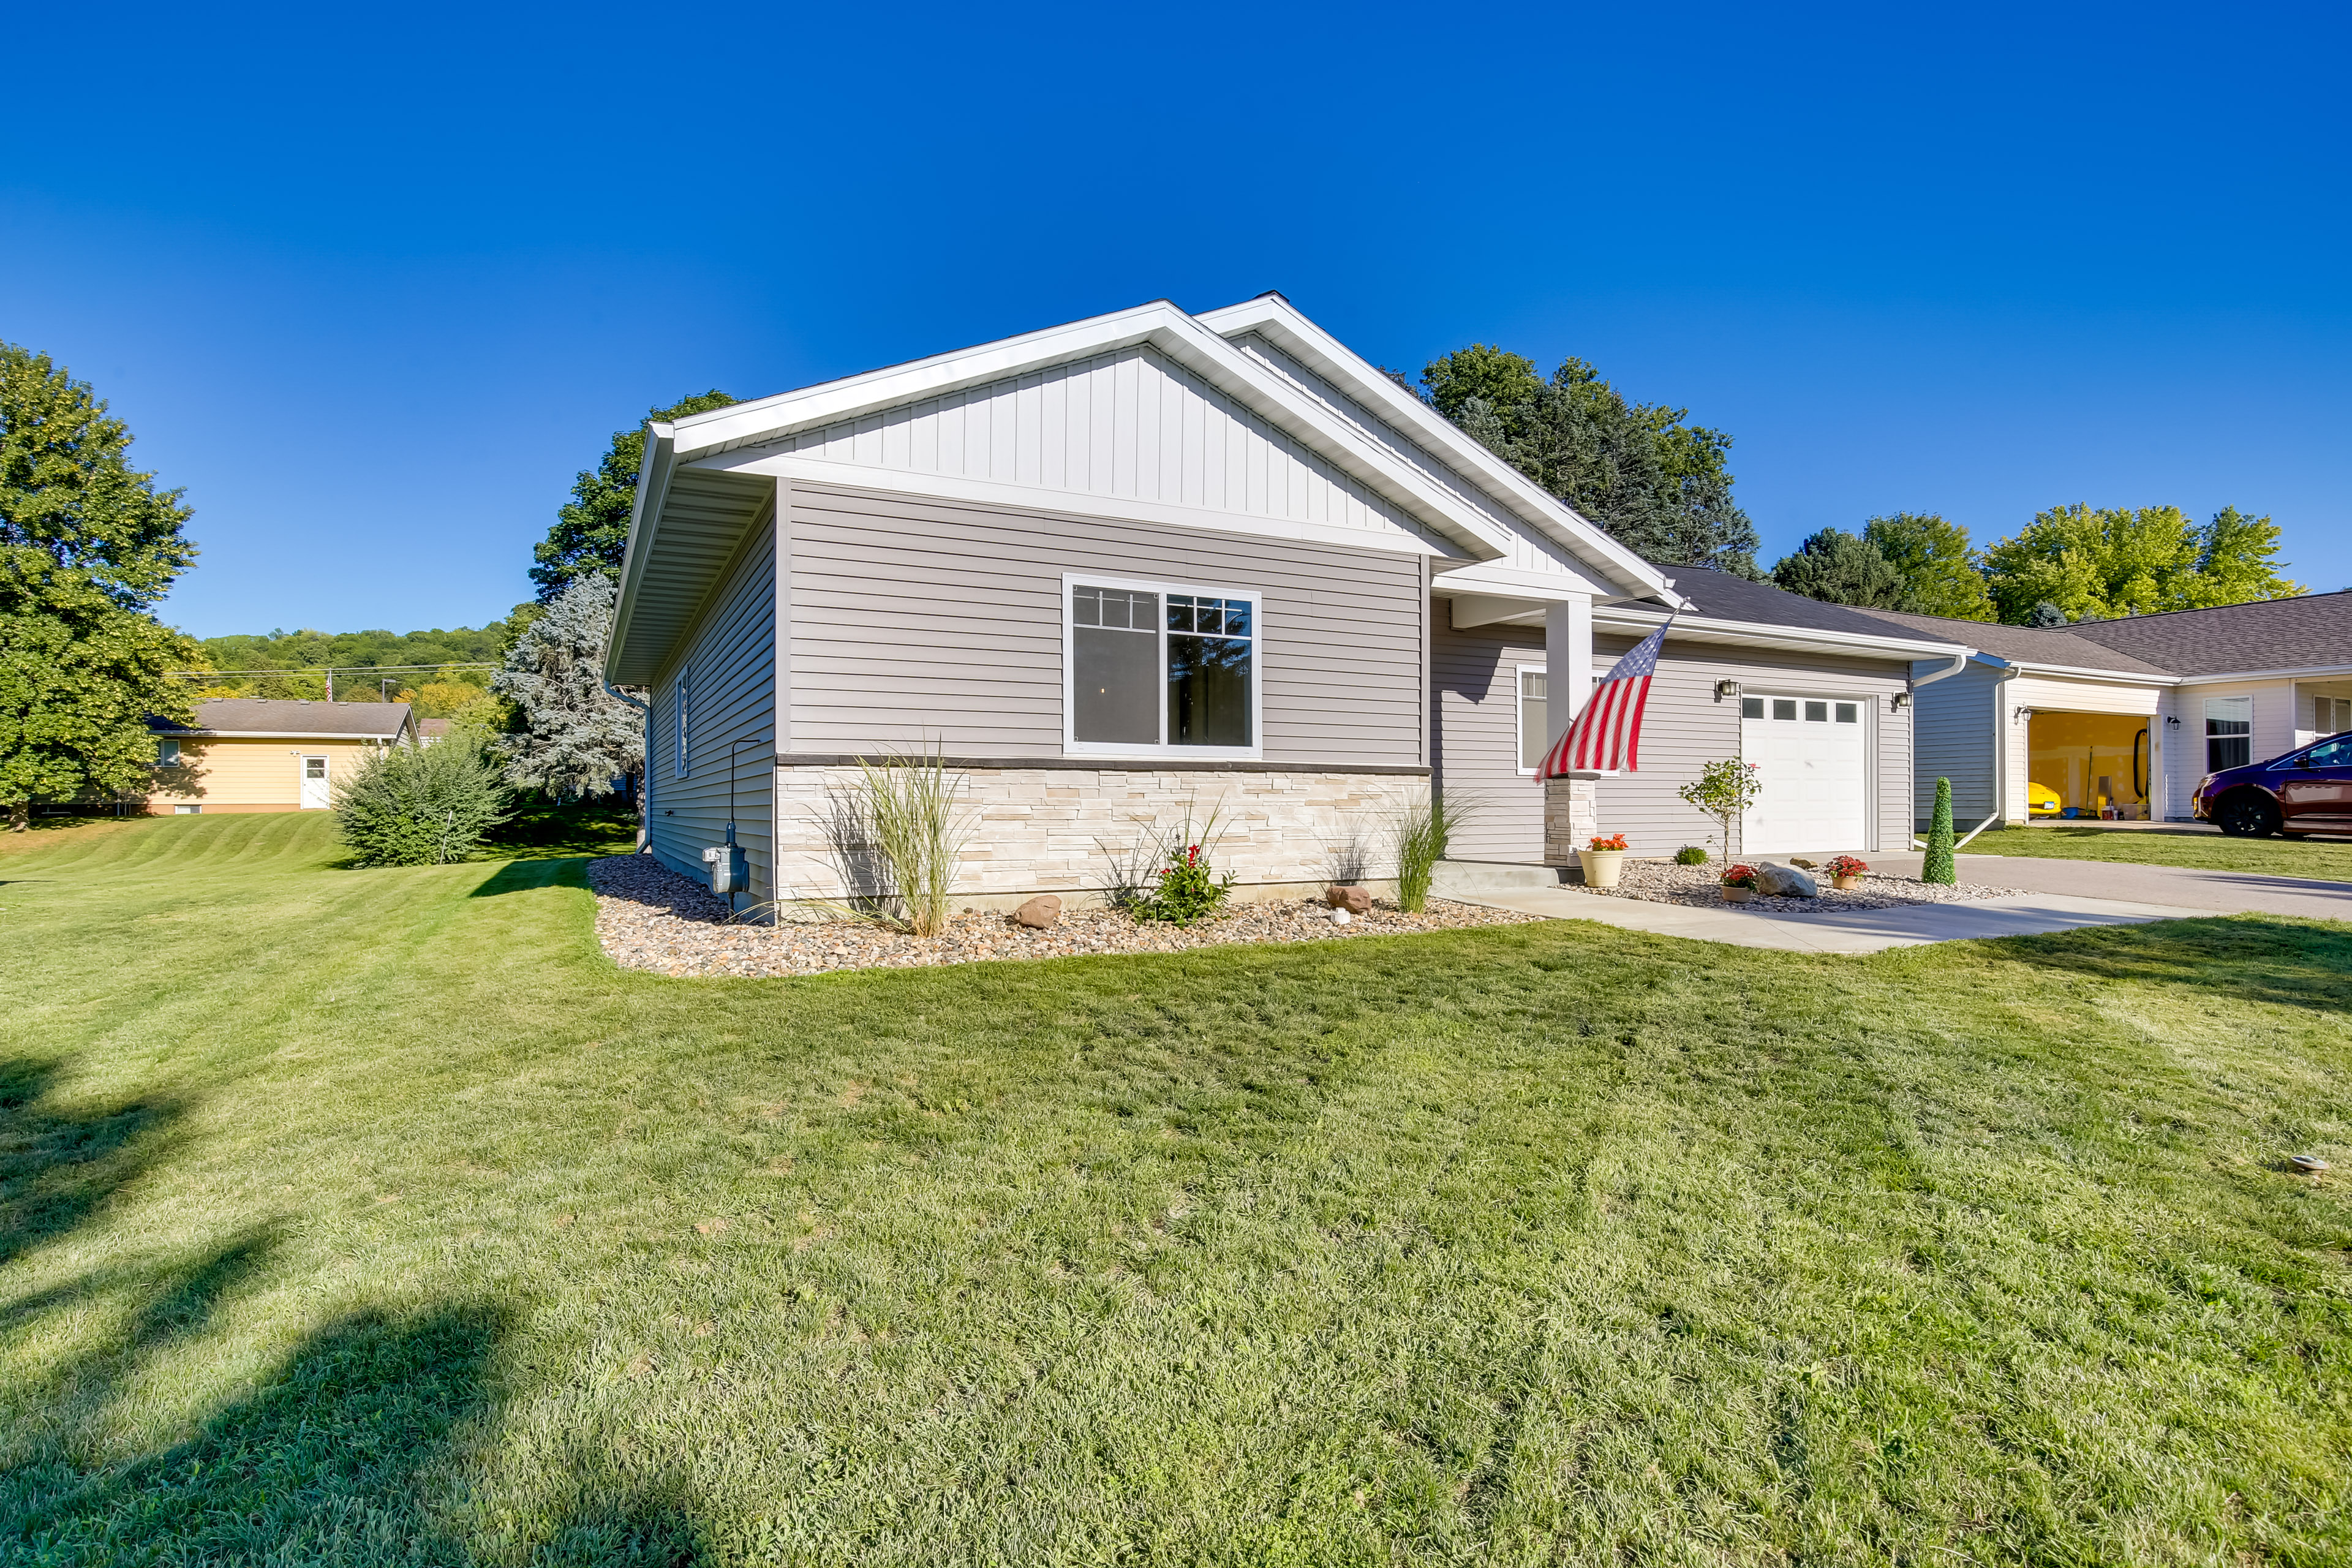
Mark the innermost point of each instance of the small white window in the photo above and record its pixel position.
(1160, 667)
(1751, 707)
(1849, 713)
(167, 753)
(679, 696)
(1784, 709)
(1535, 725)
(2229, 733)
(187, 811)
(1816, 712)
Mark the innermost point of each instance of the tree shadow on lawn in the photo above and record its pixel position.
(337, 1457)
(59, 1168)
(2249, 958)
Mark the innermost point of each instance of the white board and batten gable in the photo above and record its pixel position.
(1248, 419)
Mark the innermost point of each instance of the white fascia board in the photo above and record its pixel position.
(1065, 503)
(1281, 324)
(2086, 672)
(1493, 577)
(654, 470)
(1491, 610)
(1756, 633)
(2303, 672)
(1161, 325)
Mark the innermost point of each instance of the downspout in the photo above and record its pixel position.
(2000, 733)
(646, 783)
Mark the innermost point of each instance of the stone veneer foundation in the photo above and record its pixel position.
(1040, 830)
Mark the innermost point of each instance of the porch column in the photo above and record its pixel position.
(1569, 810)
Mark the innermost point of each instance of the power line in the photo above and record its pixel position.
(326, 670)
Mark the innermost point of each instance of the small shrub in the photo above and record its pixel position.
(424, 805)
(1690, 854)
(1724, 791)
(1424, 833)
(1185, 889)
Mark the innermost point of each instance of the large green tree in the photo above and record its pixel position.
(1842, 569)
(2099, 563)
(1939, 566)
(88, 544)
(591, 528)
(1660, 485)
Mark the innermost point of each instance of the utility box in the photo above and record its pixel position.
(730, 868)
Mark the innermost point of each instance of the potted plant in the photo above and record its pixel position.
(1845, 871)
(1739, 884)
(1605, 862)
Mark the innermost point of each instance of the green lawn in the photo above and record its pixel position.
(371, 1217)
(2329, 859)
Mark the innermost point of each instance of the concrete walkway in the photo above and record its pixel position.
(2207, 892)
(1839, 930)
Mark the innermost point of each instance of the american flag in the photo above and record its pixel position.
(1608, 734)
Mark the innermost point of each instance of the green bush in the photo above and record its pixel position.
(1185, 889)
(1690, 854)
(424, 805)
(1939, 866)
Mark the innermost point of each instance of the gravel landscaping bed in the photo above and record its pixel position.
(1663, 882)
(649, 917)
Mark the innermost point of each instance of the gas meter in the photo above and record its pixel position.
(731, 869)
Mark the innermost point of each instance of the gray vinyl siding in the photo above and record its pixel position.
(1473, 737)
(921, 621)
(728, 661)
(1686, 727)
(1683, 728)
(1957, 731)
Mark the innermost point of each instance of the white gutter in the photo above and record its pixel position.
(282, 734)
(2305, 672)
(2002, 723)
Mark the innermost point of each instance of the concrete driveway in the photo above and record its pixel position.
(2058, 895)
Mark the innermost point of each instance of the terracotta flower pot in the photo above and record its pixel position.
(1601, 866)
(1843, 884)
(1737, 895)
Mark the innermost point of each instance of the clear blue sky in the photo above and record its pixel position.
(374, 283)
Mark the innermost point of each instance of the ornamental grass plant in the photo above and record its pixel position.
(915, 827)
(424, 805)
(1424, 833)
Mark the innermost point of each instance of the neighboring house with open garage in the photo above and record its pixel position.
(1154, 560)
(2127, 714)
(245, 754)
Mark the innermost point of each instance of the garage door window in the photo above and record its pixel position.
(2229, 733)
(1785, 710)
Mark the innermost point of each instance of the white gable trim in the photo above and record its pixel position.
(1275, 319)
(1183, 339)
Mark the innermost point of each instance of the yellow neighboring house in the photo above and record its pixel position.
(257, 754)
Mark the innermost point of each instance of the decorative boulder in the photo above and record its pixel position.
(1785, 882)
(1352, 899)
(1043, 912)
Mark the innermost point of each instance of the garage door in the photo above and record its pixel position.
(1811, 756)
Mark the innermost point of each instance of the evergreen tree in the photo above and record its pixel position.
(1841, 569)
(88, 544)
(1659, 485)
(591, 528)
(576, 737)
(1940, 574)
(1939, 866)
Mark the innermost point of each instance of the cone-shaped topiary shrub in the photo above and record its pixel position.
(1939, 866)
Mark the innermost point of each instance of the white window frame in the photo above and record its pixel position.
(1073, 746)
(678, 694)
(167, 752)
(1519, 673)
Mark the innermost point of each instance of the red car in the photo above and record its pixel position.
(2306, 791)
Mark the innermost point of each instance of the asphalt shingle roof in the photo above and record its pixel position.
(2025, 644)
(275, 716)
(1721, 596)
(2268, 634)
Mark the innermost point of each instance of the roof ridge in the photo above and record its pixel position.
(2200, 610)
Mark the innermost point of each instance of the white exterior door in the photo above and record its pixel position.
(314, 784)
(1812, 757)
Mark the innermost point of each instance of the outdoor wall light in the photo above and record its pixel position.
(1726, 690)
(1899, 702)
(2172, 721)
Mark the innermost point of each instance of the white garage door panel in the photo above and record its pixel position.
(1815, 772)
